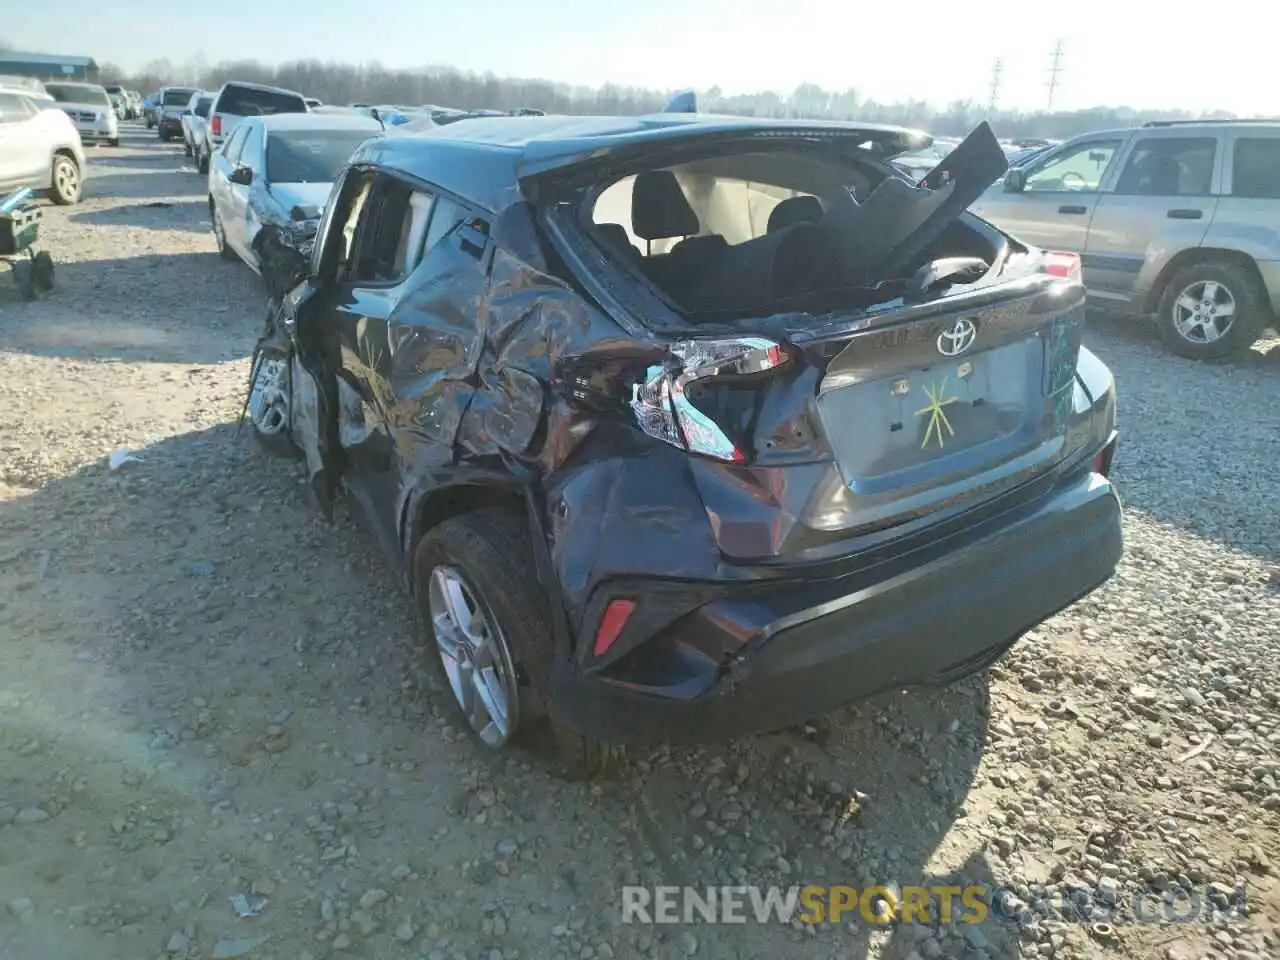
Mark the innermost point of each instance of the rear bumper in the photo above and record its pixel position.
(806, 647)
(170, 125)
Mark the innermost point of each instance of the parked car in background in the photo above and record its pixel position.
(1176, 220)
(884, 463)
(90, 109)
(238, 99)
(171, 106)
(28, 84)
(40, 148)
(134, 101)
(118, 99)
(312, 102)
(195, 120)
(149, 109)
(271, 167)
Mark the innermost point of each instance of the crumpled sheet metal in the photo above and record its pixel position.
(284, 251)
(471, 362)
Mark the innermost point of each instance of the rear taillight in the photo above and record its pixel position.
(1103, 459)
(1057, 263)
(216, 125)
(662, 405)
(615, 618)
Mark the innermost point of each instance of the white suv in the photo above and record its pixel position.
(90, 109)
(39, 148)
(236, 100)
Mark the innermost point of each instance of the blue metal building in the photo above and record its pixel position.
(48, 66)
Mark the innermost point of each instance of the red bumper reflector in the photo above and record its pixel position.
(611, 624)
(1103, 458)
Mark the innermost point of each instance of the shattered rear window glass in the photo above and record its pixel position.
(310, 156)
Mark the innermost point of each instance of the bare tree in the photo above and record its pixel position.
(448, 87)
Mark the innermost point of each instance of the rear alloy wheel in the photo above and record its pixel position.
(475, 656)
(1211, 310)
(66, 181)
(491, 632)
(270, 408)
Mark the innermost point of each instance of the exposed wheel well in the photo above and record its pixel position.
(1201, 255)
(65, 152)
(455, 501)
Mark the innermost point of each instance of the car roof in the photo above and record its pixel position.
(481, 158)
(281, 122)
(249, 84)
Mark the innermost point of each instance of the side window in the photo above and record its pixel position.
(1077, 169)
(381, 242)
(447, 216)
(1255, 172)
(1169, 167)
(10, 108)
(251, 152)
(231, 149)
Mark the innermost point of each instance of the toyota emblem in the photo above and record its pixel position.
(959, 338)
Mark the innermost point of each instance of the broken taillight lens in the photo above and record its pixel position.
(1058, 263)
(661, 403)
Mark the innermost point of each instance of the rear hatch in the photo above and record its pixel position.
(949, 403)
(807, 431)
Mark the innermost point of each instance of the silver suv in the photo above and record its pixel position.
(1175, 219)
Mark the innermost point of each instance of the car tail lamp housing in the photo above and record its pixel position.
(611, 625)
(1104, 458)
(1058, 263)
(661, 403)
(215, 124)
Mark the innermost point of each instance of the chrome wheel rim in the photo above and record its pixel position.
(1204, 311)
(475, 656)
(269, 396)
(66, 179)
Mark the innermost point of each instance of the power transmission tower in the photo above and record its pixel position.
(1055, 70)
(997, 69)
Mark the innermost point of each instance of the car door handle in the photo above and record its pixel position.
(1185, 214)
(1073, 209)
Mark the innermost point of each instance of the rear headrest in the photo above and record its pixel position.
(794, 210)
(614, 234)
(659, 209)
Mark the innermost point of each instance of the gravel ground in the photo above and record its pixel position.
(206, 690)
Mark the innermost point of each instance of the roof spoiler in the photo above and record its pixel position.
(686, 102)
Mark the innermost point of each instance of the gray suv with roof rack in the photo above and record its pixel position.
(1175, 219)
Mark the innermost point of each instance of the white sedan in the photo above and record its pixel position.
(278, 169)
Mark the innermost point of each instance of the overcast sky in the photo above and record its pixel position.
(1143, 55)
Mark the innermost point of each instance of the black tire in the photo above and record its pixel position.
(202, 162)
(115, 142)
(42, 270)
(220, 234)
(1251, 316)
(491, 548)
(24, 277)
(65, 181)
(186, 148)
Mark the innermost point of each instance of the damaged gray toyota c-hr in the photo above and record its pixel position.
(680, 427)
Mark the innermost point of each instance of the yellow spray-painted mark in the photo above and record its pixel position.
(937, 415)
